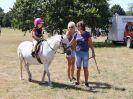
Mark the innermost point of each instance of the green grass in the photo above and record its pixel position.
(114, 82)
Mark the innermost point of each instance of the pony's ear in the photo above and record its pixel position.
(64, 36)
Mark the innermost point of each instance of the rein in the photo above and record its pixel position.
(54, 49)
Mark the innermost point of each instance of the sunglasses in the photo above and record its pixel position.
(71, 27)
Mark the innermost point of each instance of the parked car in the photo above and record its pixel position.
(117, 31)
(128, 34)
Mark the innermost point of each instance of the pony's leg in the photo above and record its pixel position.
(48, 74)
(28, 71)
(21, 68)
(49, 80)
(46, 70)
(43, 77)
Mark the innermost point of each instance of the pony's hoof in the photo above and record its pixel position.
(29, 79)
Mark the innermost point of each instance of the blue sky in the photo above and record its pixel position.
(7, 4)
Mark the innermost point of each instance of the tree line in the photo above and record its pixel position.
(5, 18)
(57, 13)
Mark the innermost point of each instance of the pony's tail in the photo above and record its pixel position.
(21, 59)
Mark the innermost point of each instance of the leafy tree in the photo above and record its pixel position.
(117, 9)
(94, 13)
(1, 16)
(1, 10)
(7, 20)
(57, 13)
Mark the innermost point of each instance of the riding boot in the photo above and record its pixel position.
(34, 53)
(37, 49)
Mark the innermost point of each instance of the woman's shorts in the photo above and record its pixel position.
(82, 58)
(72, 54)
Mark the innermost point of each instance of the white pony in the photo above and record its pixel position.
(46, 53)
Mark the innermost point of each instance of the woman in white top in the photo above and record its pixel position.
(71, 55)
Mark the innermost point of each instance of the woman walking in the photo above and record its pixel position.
(84, 42)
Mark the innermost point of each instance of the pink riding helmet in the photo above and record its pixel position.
(38, 21)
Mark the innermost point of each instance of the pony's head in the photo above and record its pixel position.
(60, 41)
(64, 40)
(64, 43)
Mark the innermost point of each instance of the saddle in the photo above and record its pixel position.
(36, 52)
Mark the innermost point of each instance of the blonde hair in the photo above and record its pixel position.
(70, 24)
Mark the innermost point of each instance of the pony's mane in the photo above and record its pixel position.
(54, 37)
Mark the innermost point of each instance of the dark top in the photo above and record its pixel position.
(37, 32)
(82, 41)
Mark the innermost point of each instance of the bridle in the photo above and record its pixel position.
(61, 43)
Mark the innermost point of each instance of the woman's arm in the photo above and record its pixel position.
(45, 34)
(72, 42)
(68, 34)
(91, 46)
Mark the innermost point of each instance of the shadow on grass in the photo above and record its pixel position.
(93, 86)
(111, 45)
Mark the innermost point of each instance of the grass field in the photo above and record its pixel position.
(114, 82)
